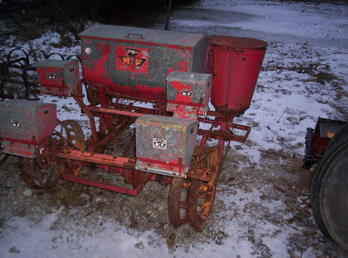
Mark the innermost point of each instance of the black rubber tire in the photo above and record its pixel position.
(336, 145)
(316, 184)
(333, 196)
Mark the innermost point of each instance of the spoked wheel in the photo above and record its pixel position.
(71, 167)
(192, 201)
(178, 202)
(332, 196)
(201, 202)
(202, 194)
(40, 172)
(69, 135)
(44, 170)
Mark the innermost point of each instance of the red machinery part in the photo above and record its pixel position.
(235, 63)
(58, 77)
(134, 62)
(122, 65)
(164, 145)
(188, 94)
(25, 124)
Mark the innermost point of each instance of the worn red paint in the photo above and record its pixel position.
(235, 63)
(132, 59)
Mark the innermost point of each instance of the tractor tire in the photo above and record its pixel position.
(330, 193)
(316, 184)
(334, 198)
(320, 170)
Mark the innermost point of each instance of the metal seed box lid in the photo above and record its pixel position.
(113, 32)
(23, 104)
(169, 122)
(189, 77)
(50, 63)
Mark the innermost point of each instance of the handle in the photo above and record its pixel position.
(135, 36)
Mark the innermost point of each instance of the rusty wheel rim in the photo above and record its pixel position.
(40, 172)
(178, 202)
(69, 167)
(71, 135)
(201, 202)
(202, 194)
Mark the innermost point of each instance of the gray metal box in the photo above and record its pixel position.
(58, 77)
(188, 93)
(28, 122)
(135, 61)
(165, 145)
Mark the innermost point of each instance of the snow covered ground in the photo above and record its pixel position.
(262, 206)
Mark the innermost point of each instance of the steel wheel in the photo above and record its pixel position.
(201, 202)
(40, 172)
(202, 194)
(333, 197)
(71, 135)
(177, 202)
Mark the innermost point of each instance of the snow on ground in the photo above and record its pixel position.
(259, 210)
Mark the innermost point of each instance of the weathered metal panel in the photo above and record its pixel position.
(137, 67)
(71, 76)
(26, 121)
(161, 37)
(200, 60)
(188, 93)
(58, 77)
(236, 63)
(165, 145)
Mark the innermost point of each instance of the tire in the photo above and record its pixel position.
(334, 148)
(333, 196)
(316, 184)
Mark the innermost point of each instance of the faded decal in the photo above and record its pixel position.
(132, 59)
(159, 143)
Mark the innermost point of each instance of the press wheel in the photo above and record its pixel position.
(177, 202)
(40, 172)
(202, 194)
(201, 202)
(71, 135)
